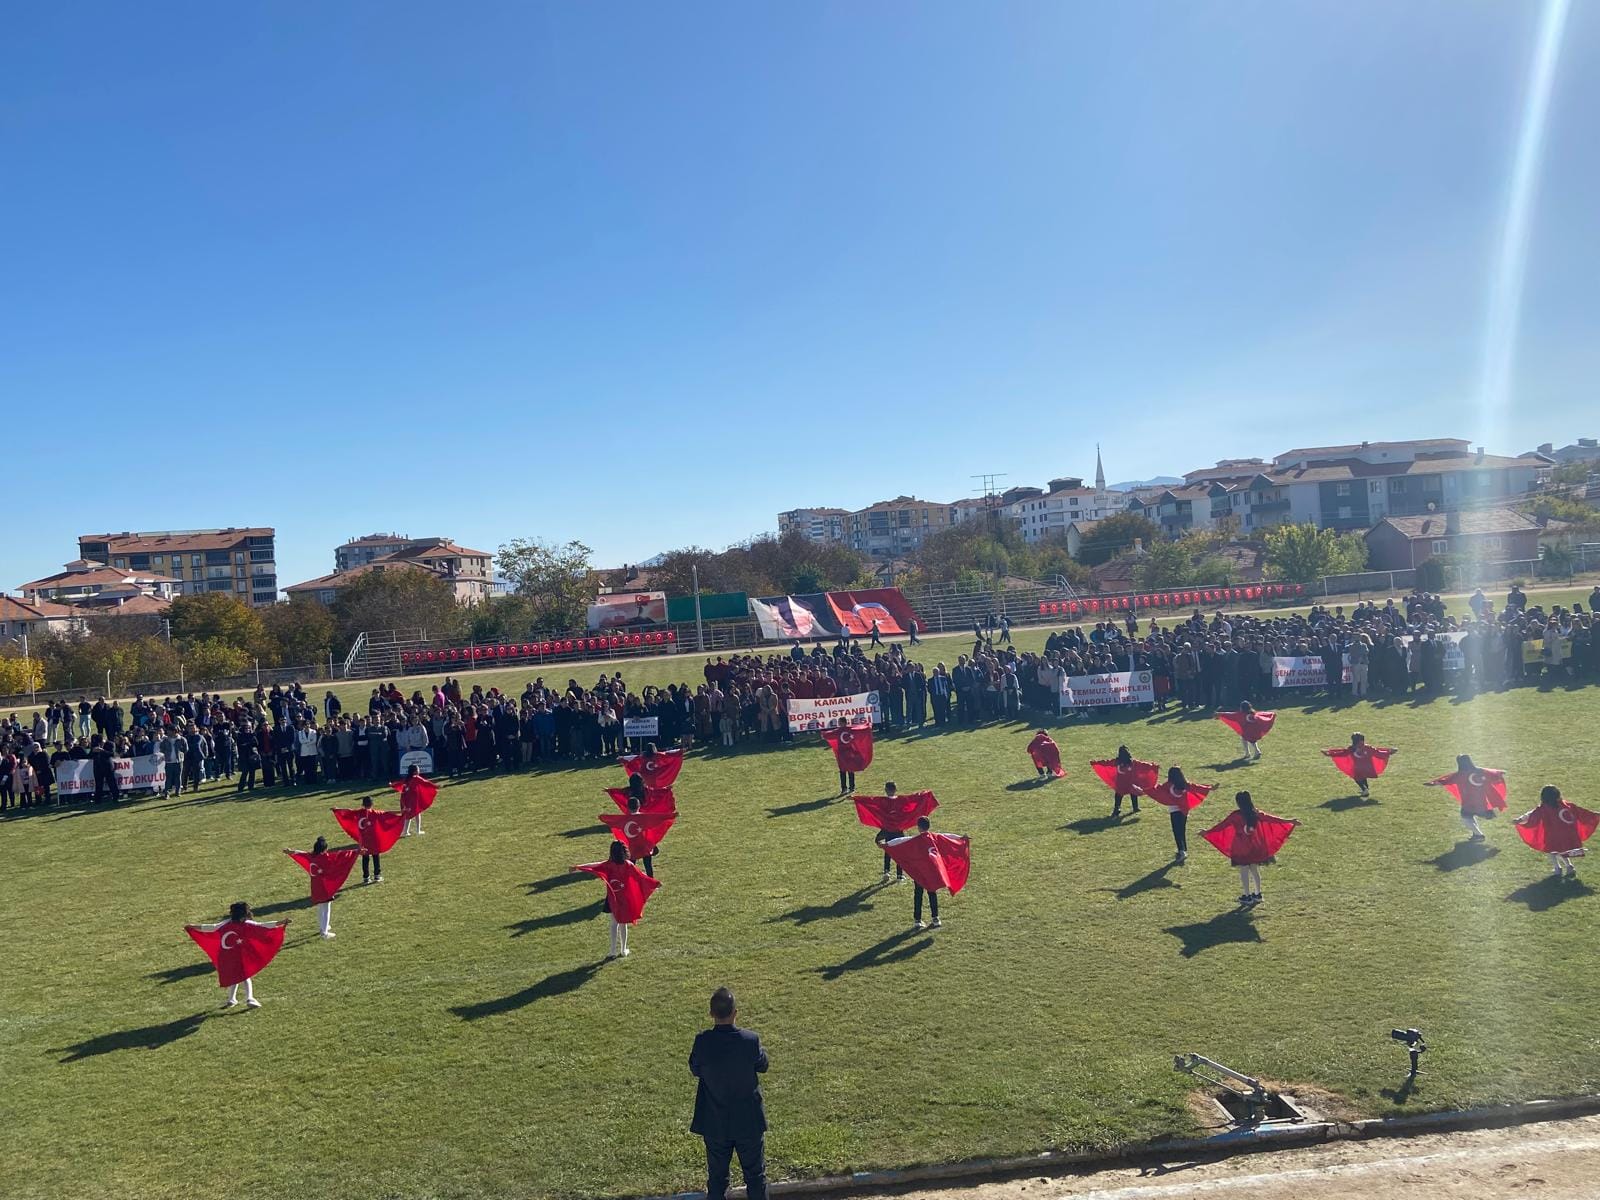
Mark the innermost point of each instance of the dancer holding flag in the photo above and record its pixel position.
(640, 831)
(417, 793)
(891, 814)
(658, 768)
(1360, 761)
(239, 948)
(627, 890)
(375, 831)
(1249, 838)
(852, 751)
(1046, 756)
(1481, 792)
(1126, 776)
(1177, 795)
(1558, 829)
(934, 861)
(1251, 726)
(328, 870)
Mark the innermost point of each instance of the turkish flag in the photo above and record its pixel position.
(656, 800)
(416, 794)
(641, 832)
(851, 746)
(658, 770)
(374, 829)
(328, 871)
(1479, 791)
(1046, 754)
(1252, 726)
(1245, 846)
(933, 860)
(894, 813)
(238, 949)
(1190, 798)
(1560, 830)
(627, 888)
(1368, 763)
(1136, 779)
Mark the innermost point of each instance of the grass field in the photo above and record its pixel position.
(462, 1038)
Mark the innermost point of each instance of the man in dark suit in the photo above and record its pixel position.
(728, 1112)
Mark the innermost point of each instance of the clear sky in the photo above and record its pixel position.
(644, 274)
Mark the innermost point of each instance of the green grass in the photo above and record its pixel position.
(462, 1039)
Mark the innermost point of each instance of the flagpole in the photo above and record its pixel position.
(699, 628)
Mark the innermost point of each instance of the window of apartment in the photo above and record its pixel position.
(1341, 489)
(158, 560)
(217, 585)
(1431, 483)
(120, 562)
(1441, 546)
(238, 556)
(138, 562)
(1397, 487)
(1374, 487)
(1344, 512)
(196, 560)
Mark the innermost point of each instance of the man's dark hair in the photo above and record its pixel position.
(722, 1004)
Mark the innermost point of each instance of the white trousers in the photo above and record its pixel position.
(619, 938)
(249, 992)
(1250, 879)
(325, 917)
(1470, 823)
(1251, 749)
(407, 829)
(1556, 861)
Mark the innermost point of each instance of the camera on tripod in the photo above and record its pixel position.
(1412, 1040)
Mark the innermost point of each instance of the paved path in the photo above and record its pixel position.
(1558, 1158)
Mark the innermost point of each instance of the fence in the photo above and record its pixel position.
(113, 687)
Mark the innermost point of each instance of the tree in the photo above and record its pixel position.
(18, 674)
(299, 633)
(213, 658)
(1559, 508)
(1304, 553)
(219, 617)
(557, 578)
(396, 598)
(1114, 535)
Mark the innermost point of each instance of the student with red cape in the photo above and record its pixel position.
(934, 861)
(1046, 756)
(1481, 792)
(1126, 776)
(328, 870)
(891, 814)
(375, 831)
(1558, 829)
(852, 751)
(1177, 795)
(417, 793)
(1360, 761)
(239, 948)
(1251, 726)
(651, 799)
(658, 768)
(627, 890)
(640, 831)
(1249, 838)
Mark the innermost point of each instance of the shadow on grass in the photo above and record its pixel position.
(895, 948)
(1231, 765)
(1159, 878)
(177, 974)
(150, 1037)
(844, 906)
(1346, 803)
(1399, 1095)
(540, 886)
(1462, 854)
(1029, 785)
(1098, 824)
(558, 984)
(267, 910)
(1549, 892)
(555, 920)
(586, 831)
(804, 806)
(1220, 930)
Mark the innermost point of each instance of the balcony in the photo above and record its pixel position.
(1281, 504)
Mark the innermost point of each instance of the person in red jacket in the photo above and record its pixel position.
(1177, 795)
(1250, 839)
(1251, 726)
(1481, 791)
(1360, 761)
(1558, 829)
(1126, 776)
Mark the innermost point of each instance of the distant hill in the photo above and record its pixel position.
(1136, 484)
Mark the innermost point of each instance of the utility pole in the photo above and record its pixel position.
(699, 628)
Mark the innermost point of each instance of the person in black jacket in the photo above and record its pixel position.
(728, 1112)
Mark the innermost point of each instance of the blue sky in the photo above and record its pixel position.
(645, 274)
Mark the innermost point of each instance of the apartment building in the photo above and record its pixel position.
(359, 551)
(815, 524)
(241, 562)
(1064, 502)
(470, 573)
(894, 528)
(86, 584)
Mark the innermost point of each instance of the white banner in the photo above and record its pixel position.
(75, 776)
(1100, 691)
(641, 727)
(1454, 659)
(421, 759)
(808, 716)
(1304, 672)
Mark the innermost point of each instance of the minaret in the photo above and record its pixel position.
(1099, 471)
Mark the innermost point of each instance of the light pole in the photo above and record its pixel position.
(699, 629)
(27, 665)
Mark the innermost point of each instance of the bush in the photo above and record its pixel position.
(1430, 575)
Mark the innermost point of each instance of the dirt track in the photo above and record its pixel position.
(1559, 1158)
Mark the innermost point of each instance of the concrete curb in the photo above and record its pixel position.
(1051, 1162)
